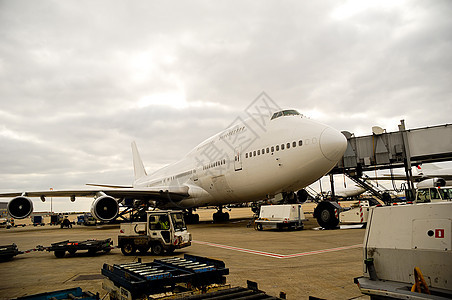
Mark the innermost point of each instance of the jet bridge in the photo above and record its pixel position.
(388, 150)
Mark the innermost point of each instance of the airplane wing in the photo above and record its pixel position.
(105, 207)
(137, 193)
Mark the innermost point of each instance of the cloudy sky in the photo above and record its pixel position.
(80, 80)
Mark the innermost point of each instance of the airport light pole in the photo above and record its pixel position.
(51, 198)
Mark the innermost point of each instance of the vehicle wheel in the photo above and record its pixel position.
(92, 252)
(107, 250)
(157, 249)
(60, 253)
(128, 249)
(259, 227)
(326, 215)
(170, 251)
(72, 251)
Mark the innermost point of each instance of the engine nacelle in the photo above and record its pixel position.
(105, 208)
(432, 182)
(20, 207)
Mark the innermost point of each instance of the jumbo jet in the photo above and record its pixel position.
(249, 161)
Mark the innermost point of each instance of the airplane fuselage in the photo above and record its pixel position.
(249, 162)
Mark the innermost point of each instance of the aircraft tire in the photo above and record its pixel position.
(219, 217)
(225, 217)
(326, 216)
(128, 249)
(259, 227)
(192, 218)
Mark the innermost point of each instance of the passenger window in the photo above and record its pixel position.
(300, 143)
(288, 145)
(268, 150)
(263, 151)
(259, 152)
(273, 149)
(294, 144)
(277, 147)
(254, 153)
(282, 146)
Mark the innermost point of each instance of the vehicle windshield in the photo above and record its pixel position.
(423, 195)
(287, 112)
(446, 193)
(178, 222)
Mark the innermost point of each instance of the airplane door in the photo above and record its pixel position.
(237, 159)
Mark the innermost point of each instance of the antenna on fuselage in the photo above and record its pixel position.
(138, 166)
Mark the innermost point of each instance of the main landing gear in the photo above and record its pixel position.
(220, 216)
(190, 217)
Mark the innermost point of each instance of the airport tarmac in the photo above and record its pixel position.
(319, 263)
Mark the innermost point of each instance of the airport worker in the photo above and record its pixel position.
(164, 224)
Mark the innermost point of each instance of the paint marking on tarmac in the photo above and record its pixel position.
(275, 255)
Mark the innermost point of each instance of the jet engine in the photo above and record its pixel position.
(432, 182)
(105, 208)
(20, 207)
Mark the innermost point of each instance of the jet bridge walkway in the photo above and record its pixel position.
(400, 149)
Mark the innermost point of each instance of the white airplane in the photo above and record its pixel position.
(426, 175)
(323, 187)
(249, 161)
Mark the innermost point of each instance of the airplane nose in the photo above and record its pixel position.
(332, 144)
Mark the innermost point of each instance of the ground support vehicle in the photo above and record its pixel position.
(162, 276)
(11, 223)
(37, 220)
(289, 216)
(426, 194)
(7, 252)
(191, 277)
(162, 230)
(56, 219)
(86, 219)
(407, 252)
(80, 219)
(66, 223)
(93, 246)
(74, 293)
(330, 214)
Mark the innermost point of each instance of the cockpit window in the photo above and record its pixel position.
(288, 112)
